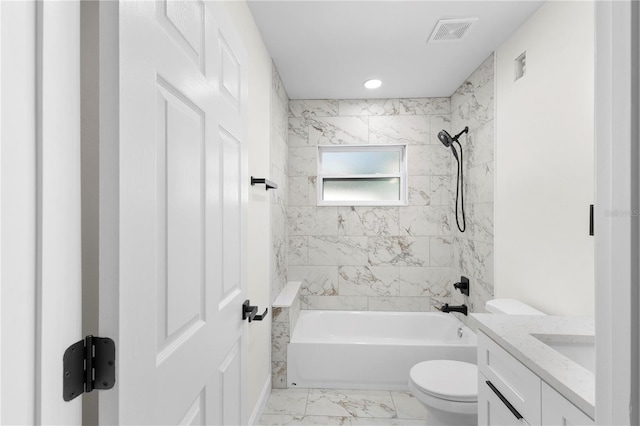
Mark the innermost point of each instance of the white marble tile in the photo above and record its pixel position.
(280, 315)
(298, 131)
(338, 303)
(479, 184)
(311, 220)
(363, 421)
(483, 74)
(425, 220)
(298, 250)
(356, 403)
(368, 221)
(279, 340)
(419, 188)
(438, 123)
(398, 251)
(278, 283)
(400, 129)
(473, 258)
(368, 281)
(425, 281)
(278, 143)
(278, 256)
(291, 420)
(477, 110)
(313, 108)
(351, 107)
(408, 406)
(429, 160)
(338, 130)
(400, 304)
(440, 251)
(299, 191)
(279, 175)
(278, 216)
(481, 145)
(278, 374)
(441, 191)
(422, 106)
(316, 280)
(287, 401)
(481, 294)
(479, 222)
(303, 161)
(278, 88)
(337, 250)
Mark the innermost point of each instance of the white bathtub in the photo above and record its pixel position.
(371, 350)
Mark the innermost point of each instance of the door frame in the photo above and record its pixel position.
(41, 303)
(617, 190)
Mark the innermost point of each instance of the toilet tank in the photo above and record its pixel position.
(510, 307)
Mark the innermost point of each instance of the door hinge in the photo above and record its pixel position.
(87, 365)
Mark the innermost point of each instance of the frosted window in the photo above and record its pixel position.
(361, 162)
(361, 189)
(362, 175)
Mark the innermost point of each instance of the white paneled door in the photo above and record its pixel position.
(171, 272)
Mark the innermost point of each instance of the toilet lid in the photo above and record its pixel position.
(444, 379)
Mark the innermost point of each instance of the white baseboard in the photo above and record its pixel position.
(262, 403)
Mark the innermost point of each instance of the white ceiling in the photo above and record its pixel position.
(327, 49)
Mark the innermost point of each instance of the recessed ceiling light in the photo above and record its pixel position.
(372, 84)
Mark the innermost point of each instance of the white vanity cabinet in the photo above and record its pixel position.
(557, 411)
(511, 394)
(492, 410)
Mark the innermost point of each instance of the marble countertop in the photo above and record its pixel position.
(514, 334)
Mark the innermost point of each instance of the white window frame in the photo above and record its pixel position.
(402, 175)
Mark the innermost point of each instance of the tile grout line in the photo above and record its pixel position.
(306, 403)
(395, 407)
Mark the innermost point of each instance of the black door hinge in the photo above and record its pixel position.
(87, 365)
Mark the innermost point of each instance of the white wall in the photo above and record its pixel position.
(258, 216)
(544, 161)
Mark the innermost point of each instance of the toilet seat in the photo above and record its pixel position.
(447, 380)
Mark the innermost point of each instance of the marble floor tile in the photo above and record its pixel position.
(287, 401)
(289, 420)
(408, 406)
(364, 421)
(355, 403)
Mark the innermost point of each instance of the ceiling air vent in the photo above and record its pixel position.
(451, 29)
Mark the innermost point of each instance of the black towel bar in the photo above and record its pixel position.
(266, 182)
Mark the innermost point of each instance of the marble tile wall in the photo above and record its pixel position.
(279, 197)
(279, 230)
(371, 258)
(472, 105)
(284, 320)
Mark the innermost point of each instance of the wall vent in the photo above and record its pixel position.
(451, 29)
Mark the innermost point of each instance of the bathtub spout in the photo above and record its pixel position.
(462, 309)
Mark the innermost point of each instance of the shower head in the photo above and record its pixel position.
(445, 138)
(448, 141)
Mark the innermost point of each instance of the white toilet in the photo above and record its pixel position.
(449, 389)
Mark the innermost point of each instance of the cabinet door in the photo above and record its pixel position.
(492, 411)
(513, 380)
(558, 411)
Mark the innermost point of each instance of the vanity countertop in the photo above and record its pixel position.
(515, 334)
